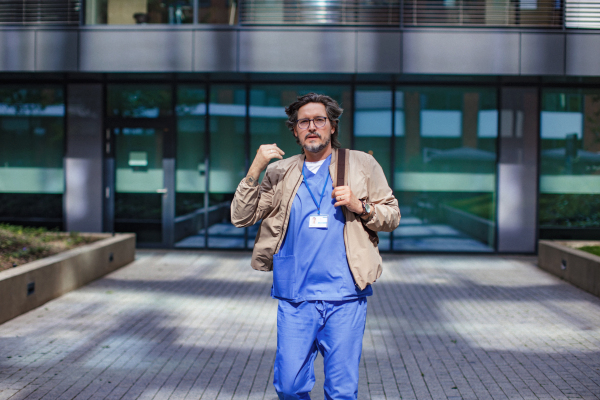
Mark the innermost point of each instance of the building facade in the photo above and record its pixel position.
(143, 115)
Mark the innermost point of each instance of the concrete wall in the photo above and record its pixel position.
(302, 49)
(578, 267)
(29, 286)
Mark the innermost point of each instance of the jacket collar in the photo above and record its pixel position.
(332, 164)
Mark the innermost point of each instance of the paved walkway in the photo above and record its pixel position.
(194, 325)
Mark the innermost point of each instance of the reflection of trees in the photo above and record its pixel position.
(27, 100)
(570, 210)
(135, 101)
(188, 99)
(592, 117)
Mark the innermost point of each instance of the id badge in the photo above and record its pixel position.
(317, 221)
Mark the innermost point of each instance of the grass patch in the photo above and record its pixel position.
(595, 250)
(481, 206)
(20, 245)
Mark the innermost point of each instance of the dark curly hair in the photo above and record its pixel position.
(332, 108)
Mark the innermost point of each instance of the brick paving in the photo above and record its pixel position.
(201, 325)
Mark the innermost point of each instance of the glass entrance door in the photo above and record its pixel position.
(139, 162)
(141, 185)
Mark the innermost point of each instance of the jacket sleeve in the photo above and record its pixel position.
(385, 215)
(252, 203)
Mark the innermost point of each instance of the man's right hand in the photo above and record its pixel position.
(264, 155)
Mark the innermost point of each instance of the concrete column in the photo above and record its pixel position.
(518, 171)
(83, 160)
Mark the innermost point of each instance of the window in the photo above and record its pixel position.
(445, 169)
(32, 150)
(569, 202)
(174, 12)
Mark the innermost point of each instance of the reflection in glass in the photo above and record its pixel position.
(129, 12)
(445, 169)
(373, 130)
(31, 154)
(134, 101)
(218, 12)
(138, 177)
(191, 167)
(569, 200)
(227, 113)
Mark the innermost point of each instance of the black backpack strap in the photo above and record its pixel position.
(342, 155)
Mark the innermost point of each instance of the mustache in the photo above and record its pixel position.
(312, 133)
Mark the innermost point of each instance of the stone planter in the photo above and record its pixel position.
(561, 258)
(31, 285)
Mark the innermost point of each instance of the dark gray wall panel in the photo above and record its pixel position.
(56, 50)
(583, 54)
(378, 52)
(83, 160)
(542, 54)
(297, 51)
(452, 52)
(517, 202)
(136, 50)
(215, 51)
(17, 50)
(518, 170)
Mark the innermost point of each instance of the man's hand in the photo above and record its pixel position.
(344, 197)
(264, 155)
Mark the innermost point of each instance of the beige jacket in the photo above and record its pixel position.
(272, 200)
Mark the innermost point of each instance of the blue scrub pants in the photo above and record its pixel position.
(335, 328)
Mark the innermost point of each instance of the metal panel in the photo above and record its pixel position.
(215, 50)
(168, 202)
(297, 51)
(83, 161)
(517, 208)
(141, 50)
(460, 52)
(583, 55)
(17, 50)
(378, 52)
(56, 50)
(518, 171)
(542, 54)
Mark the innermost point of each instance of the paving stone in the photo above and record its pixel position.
(201, 325)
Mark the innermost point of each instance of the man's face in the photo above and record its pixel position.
(314, 139)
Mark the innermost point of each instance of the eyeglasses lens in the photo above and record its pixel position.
(305, 123)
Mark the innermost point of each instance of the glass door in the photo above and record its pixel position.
(139, 162)
(142, 181)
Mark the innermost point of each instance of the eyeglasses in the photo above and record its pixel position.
(305, 122)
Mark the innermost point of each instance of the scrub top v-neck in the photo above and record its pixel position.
(311, 263)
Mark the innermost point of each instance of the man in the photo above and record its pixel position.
(321, 244)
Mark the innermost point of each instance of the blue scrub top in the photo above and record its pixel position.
(311, 263)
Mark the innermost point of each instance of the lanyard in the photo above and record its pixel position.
(311, 193)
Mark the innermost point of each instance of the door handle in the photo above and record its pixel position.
(163, 191)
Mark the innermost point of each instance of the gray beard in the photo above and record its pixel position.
(317, 148)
